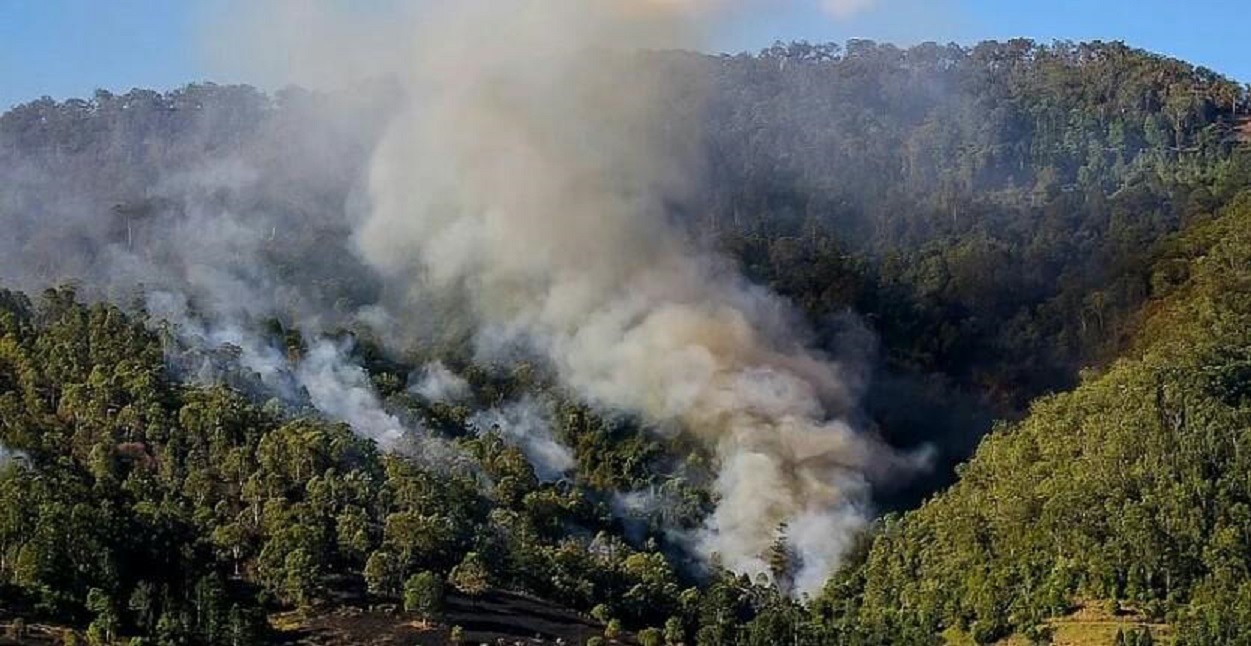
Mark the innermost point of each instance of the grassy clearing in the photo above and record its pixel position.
(1088, 625)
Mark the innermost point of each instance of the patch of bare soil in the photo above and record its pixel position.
(493, 618)
(13, 633)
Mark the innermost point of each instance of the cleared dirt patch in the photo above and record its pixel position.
(488, 619)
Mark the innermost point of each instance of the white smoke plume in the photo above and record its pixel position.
(253, 354)
(326, 376)
(532, 173)
(527, 424)
(7, 456)
(435, 382)
(343, 391)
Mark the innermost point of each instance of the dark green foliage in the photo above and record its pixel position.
(107, 521)
(184, 513)
(1132, 487)
(989, 209)
(423, 595)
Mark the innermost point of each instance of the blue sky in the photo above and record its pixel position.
(66, 48)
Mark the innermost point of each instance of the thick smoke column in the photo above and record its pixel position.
(532, 172)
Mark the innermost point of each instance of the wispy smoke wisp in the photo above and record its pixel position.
(7, 456)
(343, 391)
(437, 383)
(527, 424)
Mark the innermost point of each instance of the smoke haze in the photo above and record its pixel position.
(532, 173)
(519, 180)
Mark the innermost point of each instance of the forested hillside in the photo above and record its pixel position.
(1055, 236)
(1130, 488)
(991, 211)
(1005, 194)
(139, 506)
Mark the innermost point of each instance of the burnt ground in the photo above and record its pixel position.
(493, 618)
(14, 629)
(11, 635)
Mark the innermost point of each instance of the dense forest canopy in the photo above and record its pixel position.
(1130, 487)
(199, 418)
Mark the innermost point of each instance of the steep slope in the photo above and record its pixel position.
(138, 505)
(1132, 487)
